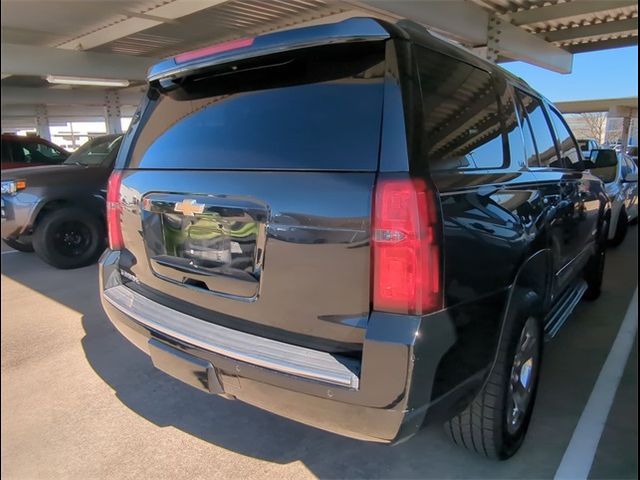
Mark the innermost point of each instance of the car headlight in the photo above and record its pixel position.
(10, 187)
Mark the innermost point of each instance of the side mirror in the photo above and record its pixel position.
(605, 163)
(631, 177)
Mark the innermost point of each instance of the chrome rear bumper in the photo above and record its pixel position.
(258, 351)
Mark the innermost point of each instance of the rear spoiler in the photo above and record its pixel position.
(350, 30)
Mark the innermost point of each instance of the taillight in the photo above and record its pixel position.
(406, 254)
(114, 211)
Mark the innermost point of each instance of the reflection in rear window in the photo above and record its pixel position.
(333, 124)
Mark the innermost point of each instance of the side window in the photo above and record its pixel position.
(517, 151)
(569, 149)
(17, 152)
(41, 153)
(6, 152)
(529, 144)
(545, 142)
(462, 128)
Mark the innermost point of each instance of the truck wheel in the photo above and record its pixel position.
(19, 245)
(495, 423)
(621, 229)
(594, 271)
(69, 238)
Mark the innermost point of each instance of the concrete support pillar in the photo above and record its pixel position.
(42, 122)
(626, 123)
(112, 112)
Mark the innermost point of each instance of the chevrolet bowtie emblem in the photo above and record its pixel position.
(189, 207)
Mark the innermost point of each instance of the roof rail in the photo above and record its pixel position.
(357, 29)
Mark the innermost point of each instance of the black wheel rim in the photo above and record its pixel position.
(524, 372)
(71, 238)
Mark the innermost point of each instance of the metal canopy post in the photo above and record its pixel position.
(42, 122)
(112, 112)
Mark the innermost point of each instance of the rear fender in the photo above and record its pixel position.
(529, 292)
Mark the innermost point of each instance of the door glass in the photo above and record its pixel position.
(568, 145)
(534, 111)
(6, 153)
(517, 151)
(41, 153)
(529, 144)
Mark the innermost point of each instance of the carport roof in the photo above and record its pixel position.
(117, 39)
(575, 25)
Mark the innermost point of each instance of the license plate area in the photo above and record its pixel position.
(188, 369)
(211, 242)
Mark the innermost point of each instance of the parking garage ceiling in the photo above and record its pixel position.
(116, 39)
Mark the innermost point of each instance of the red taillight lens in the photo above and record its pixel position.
(406, 255)
(213, 49)
(114, 211)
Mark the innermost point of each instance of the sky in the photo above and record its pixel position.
(605, 74)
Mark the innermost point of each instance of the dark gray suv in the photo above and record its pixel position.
(58, 210)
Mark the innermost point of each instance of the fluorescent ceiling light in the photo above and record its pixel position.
(99, 82)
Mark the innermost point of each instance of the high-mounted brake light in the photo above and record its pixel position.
(114, 211)
(213, 49)
(406, 253)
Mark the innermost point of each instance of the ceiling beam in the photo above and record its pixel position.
(517, 44)
(602, 45)
(42, 61)
(138, 22)
(49, 96)
(468, 23)
(586, 31)
(58, 113)
(567, 10)
(600, 105)
(461, 20)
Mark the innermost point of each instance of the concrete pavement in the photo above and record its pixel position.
(78, 401)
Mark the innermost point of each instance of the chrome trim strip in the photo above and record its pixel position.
(244, 347)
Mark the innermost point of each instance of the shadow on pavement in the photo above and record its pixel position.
(249, 431)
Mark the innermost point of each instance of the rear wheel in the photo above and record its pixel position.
(495, 423)
(19, 245)
(621, 229)
(69, 238)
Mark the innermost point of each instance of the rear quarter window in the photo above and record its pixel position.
(462, 127)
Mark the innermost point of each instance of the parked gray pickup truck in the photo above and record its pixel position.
(58, 210)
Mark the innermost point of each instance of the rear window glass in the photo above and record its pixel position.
(319, 111)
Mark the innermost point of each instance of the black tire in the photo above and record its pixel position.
(70, 238)
(19, 245)
(621, 229)
(594, 271)
(483, 427)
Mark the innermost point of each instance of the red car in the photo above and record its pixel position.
(20, 152)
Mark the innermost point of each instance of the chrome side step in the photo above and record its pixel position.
(563, 309)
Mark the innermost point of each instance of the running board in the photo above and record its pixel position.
(563, 309)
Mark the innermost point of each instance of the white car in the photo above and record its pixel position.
(620, 175)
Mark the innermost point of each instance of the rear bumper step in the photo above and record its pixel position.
(244, 347)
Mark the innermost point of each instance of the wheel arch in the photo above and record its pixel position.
(90, 203)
